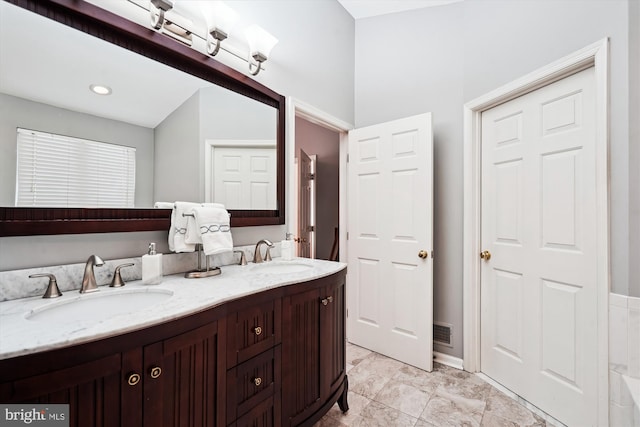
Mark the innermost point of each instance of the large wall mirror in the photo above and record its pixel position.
(201, 131)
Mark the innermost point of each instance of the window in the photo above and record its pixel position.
(61, 171)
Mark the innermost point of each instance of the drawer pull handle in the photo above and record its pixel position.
(257, 381)
(257, 330)
(133, 379)
(326, 300)
(155, 372)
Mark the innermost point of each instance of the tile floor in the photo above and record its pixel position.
(385, 392)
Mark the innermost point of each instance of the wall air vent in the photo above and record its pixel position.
(442, 333)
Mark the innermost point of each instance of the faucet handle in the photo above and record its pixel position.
(117, 281)
(52, 289)
(243, 258)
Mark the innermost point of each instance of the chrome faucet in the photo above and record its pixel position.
(257, 256)
(89, 279)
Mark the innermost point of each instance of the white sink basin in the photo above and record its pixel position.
(281, 267)
(99, 306)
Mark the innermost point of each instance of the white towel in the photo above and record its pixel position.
(215, 229)
(163, 205)
(193, 235)
(179, 227)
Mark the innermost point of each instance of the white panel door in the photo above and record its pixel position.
(244, 177)
(538, 288)
(390, 208)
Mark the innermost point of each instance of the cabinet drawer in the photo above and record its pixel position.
(252, 331)
(264, 414)
(252, 382)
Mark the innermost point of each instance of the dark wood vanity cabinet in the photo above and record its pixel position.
(171, 382)
(273, 358)
(314, 351)
(92, 389)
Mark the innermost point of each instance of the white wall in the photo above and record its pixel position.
(177, 168)
(634, 148)
(312, 62)
(436, 59)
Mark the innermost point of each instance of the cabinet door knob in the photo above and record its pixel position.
(133, 379)
(324, 301)
(257, 381)
(155, 372)
(257, 330)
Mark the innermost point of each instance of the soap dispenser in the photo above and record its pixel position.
(286, 248)
(152, 266)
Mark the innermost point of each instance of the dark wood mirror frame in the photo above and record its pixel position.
(117, 30)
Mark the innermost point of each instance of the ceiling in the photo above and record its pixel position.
(367, 8)
(37, 64)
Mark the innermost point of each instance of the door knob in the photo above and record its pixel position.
(485, 255)
(423, 254)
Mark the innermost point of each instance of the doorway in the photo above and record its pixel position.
(317, 151)
(298, 112)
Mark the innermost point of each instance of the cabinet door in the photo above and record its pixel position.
(92, 391)
(332, 338)
(182, 380)
(301, 356)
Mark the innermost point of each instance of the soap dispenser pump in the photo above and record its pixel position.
(152, 266)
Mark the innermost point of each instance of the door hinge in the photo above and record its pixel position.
(311, 228)
(347, 235)
(347, 312)
(312, 176)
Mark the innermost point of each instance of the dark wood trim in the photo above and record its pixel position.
(117, 30)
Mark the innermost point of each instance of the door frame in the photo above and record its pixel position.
(296, 108)
(595, 55)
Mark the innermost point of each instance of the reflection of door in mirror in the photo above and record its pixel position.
(241, 174)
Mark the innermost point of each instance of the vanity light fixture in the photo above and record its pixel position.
(260, 45)
(220, 19)
(100, 89)
(157, 11)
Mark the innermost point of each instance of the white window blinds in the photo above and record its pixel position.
(61, 171)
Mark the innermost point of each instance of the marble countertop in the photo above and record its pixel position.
(20, 335)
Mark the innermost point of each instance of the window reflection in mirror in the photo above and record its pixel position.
(166, 115)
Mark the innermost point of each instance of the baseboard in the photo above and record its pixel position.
(445, 359)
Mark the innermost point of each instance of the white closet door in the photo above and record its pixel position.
(538, 289)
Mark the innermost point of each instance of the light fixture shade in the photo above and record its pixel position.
(219, 16)
(260, 41)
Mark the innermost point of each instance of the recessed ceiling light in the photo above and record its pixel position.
(100, 89)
